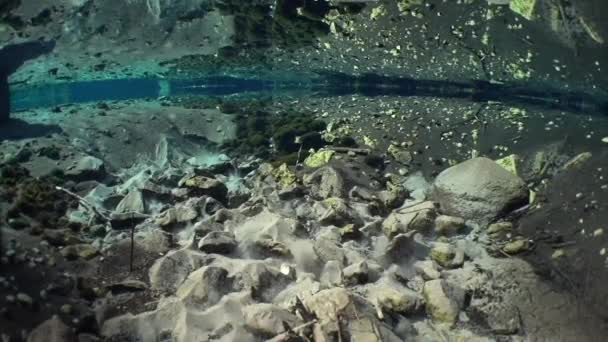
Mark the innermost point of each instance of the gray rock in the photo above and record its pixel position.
(218, 242)
(357, 273)
(417, 186)
(325, 182)
(328, 249)
(172, 269)
(427, 270)
(268, 319)
(133, 202)
(502, 318)
(447, 255)
(51, 330)
(443, 303)
(201, 185)
(479, 190)
(331, 275)
(448, 225)
(391, 296)
(419, 217)
(328, 304)
(87, 168)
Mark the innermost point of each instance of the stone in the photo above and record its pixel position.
(173, 268)
(60, 237)
(51, 330)
(268, 319)
(328, 304)
(501, 317)
(393, 297)
(516, 246)
(417, 186)
(284, 177)
(525, 8)
(427, 270)
(400, 154)
(479, 190)
(325, 182)
(448, 225)
(335, 211)
(270, 248)
(24, 299)
(356, 274)
(82, 251)
(447, 255)
(439, 305)
(87, 168)
(304, 288)
(499, 227)
(510, 163)
(419, 217)
(577, 161)
(126, 220)
(319, 158)
(132, 203)
(331, 275)
(201, 185)
(328, 249)
(217, 242)
(368, 329)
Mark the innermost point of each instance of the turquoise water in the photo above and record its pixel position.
(325, 84)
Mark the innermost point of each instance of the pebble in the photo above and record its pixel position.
(605, 140)
(24, 299)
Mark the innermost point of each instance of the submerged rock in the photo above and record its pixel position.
(325, 182)
(87, 168)
(441, 304)
(419, 217)
(218, 242)
(269, 319)
(479, 190)
(319, 158)
(52, 330)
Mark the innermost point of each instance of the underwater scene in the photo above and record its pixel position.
(303, 170)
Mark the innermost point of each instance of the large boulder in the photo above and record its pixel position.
(325, 182)
(479, 190)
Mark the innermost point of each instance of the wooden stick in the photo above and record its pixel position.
(85, 203)
(282, 336)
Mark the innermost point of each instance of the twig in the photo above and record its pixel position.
(282, 336)
(132, 243)
(339, 328)
(85, 203)
(363, 151)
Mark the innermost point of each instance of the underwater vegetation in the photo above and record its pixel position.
(37, 199)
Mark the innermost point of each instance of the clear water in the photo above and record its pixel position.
(156, 89)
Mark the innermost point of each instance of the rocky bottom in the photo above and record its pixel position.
(334, 248)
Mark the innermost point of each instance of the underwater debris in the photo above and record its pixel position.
(525, 8)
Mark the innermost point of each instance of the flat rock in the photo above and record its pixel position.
(479, 190)
(268, 319)
(88, 167)
(448, 225)
(447, 255)
(393, 297)
(332, 275)
(325, 182)
(419, 217)
(133, 202)
(217, 242)
(328, 304)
